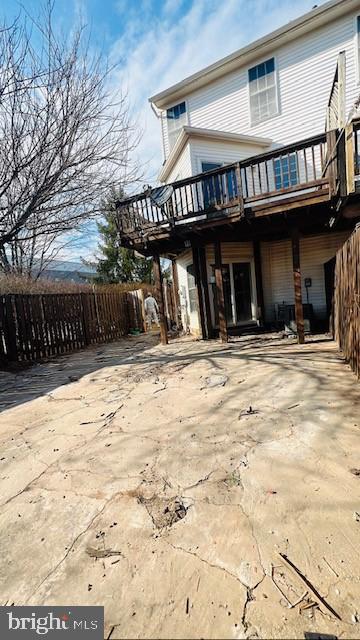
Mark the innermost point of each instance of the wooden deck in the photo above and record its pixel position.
(286, 178)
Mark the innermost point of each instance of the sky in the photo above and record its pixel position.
(156, 43)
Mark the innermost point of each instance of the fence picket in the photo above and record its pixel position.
(347, 300)
(35, 326)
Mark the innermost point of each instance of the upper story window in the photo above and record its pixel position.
(263, 93)
(176, 118)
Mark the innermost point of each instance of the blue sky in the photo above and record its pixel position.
(156, 43)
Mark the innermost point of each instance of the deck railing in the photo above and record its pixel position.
(286, 169)
(227, 191)
(335, 111)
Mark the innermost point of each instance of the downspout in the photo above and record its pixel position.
(159, 116)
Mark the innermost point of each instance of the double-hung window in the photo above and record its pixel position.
(176, 118)
(263, 91)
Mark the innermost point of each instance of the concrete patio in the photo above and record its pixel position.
(164, 483)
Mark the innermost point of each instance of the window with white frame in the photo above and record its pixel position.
(192, 287)
(263, 91)
(176, 118)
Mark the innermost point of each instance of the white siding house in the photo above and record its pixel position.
(273, 92)
(304, 55)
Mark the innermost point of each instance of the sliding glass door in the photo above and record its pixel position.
(242, 291)
(237, 293)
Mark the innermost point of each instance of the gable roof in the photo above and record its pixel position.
(313, 19)
(212, 134)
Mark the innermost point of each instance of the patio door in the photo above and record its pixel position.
(242, 291)
(211, 185)
(237, 293)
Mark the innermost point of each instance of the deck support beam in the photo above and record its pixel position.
(205, 291)
(259, 280)
(200, 291)
(220, 292)
(299, 312)
(175, 279)
(160, 298)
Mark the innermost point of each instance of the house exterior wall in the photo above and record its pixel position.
(182, 168)
(277, 271)
(204, 150)
(304, 71)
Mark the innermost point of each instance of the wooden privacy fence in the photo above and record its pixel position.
(347, 300)
(36, 326)
(170, 307)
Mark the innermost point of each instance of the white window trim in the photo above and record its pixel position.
(190, 318)
(277, 95)
(207, 161)
(253, 293)
(179, 129)
(198, 169)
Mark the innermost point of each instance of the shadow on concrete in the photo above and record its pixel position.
(41, 378)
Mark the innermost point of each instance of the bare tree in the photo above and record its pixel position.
(32, 256)
(65, 139)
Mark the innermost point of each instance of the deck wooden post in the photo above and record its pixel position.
(258, 279)
(200, 297)
(331, 172)
(220, 292)
(160, 298)
(175, 279)
(299, 313)
(205, 290)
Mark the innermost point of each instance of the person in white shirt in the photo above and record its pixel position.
(151, 311)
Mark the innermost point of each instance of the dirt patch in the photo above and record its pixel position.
(164, 512)
(233, 480)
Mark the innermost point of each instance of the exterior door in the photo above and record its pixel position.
(211, 186)
(242, 291)
(237, 293)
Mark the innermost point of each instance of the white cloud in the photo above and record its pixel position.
(156, 51)
(172, 6)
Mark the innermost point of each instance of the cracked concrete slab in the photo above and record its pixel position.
(196, 489)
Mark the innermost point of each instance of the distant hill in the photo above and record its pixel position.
(68, 270)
